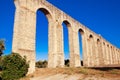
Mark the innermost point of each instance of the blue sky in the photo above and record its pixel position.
(101, 16)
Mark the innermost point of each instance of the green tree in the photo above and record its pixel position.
(2, 47)
(13, 67)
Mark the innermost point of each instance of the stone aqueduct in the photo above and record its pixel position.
(97, 52)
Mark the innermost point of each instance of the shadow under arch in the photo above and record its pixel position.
(46, 13)
(66, 23)
(90, 36)
(81, 31)
(98, 40)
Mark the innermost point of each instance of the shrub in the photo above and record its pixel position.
(13, 67)
(67, 62)
(41, 64)
(2, 46)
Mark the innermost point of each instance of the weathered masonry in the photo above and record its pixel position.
(97, 52)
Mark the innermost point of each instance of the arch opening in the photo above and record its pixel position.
(111, 47)
(90, 36)
(66, 25)
(80, 36)
(107, 45)
(43, 17)
(103, 43)
(81, 31)
(46, 13)
(98, 41)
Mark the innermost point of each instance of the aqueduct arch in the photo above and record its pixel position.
(49, 17)
(66, 26)
(95, 54)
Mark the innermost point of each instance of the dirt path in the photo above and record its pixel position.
(71, 77)
(57, 77)
(74, 74)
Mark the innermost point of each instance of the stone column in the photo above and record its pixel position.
(110, 56)
(103, 51)
(119, 56)
(24, 35)
(112, 51)
(107, 55)
(116, 62)
(113, 55)
(60, 48)
(97, 53)
(88, 51)
(74, 48)
(100, 53)
(93, 52)
(85, 50)
(54, 57)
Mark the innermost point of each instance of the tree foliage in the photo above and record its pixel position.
(13, 67)
(41, 64)
(2, 47)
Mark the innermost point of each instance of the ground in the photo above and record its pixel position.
(74, 74)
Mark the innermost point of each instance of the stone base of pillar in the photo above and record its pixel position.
(30, 58)
(75, 60)
(55, 60)
(31, 67)
(52, 58)
(60, 60)
(85, 64)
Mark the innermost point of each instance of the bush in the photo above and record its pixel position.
(41, 64)
(67, 62)
(13, 67)
(2, 46)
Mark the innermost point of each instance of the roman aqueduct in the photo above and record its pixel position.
(97, 52)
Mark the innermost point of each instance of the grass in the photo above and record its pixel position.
(71, 71)
(114, 71)
(110, 73)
